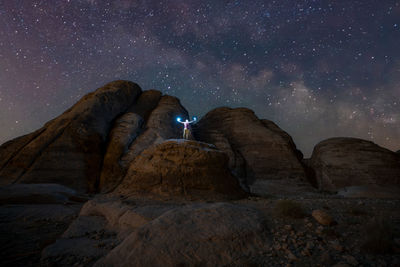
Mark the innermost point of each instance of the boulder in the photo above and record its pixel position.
(259, 151)
(322, 217)
(218, 234)
(69, 149)
(346, 162)
(181, 168)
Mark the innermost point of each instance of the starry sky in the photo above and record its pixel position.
(317, 68)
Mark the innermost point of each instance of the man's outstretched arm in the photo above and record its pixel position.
(194, 119)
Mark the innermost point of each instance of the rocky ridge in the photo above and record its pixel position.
(109, 183)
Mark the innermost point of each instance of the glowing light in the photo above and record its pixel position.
(195, 118)
(178, 119)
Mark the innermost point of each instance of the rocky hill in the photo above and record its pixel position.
(110, 182)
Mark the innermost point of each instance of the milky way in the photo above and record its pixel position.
(317, 68)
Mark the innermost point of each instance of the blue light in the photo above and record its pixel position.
(178, 119)
(195, 118)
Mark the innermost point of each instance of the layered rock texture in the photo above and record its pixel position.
(207, 235)
(117, 137)
(89, 147)
(212, 201)
(350, 162)
(69, 149)
(181, 168)
(261, 154)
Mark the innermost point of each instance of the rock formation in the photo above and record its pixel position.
(90, 146)
(345, 162)
(126, 129)
(135, 135)
(158, 192)
(260, 153)
(69, 149)
(207, 235)
(181, 168)
(160, 126)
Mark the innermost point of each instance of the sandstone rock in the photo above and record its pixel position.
(345, 162)
(160, 126)
(121, 217)
(203, 234)
(110, 210)
(69, 149)
(35, 194)
(25, 229)
(258, 149)
(322, 217)
(9, 149)
(85, 225)
(181, 168)
(125, 130)
(68, 251)
(146, 103)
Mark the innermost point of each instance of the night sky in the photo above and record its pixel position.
(318, 69)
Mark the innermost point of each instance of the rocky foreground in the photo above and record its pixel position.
(110, 183)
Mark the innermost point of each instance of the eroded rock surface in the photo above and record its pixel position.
(346, 162)
(36, 194)
(207, 234)
(69, 149)
(126, 129)
(181, 168)
(160, 126)
(150, 120)
(258, 149)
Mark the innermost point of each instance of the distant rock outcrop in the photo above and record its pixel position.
(181, 168)
(69, 149)
(347, 162)
(260, 153)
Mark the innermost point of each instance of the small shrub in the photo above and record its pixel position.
(378, 237)
(288, 208)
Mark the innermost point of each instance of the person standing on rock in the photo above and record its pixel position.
(186, 127)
